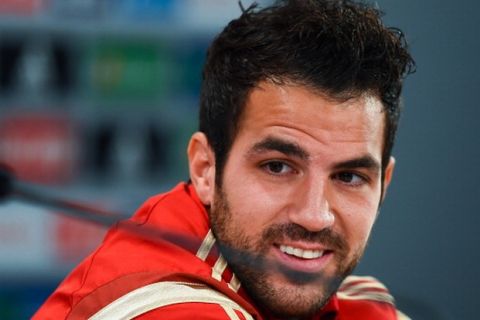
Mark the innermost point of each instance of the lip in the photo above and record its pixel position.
(303, 265)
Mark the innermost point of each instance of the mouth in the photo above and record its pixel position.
(301, 253)
(303, 258)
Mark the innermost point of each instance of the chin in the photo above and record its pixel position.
(295, 302)
(282, 298)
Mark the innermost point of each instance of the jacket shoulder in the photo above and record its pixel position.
(367, 297)
(184, 311)
(364, 288)
(173, 300)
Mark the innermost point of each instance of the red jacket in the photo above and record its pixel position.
(131, 277)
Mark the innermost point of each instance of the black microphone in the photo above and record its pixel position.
(13, 189)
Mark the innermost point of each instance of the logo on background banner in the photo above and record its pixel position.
(39, 148)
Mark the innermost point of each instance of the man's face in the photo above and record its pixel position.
(301, 187)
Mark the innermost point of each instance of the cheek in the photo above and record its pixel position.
(356, 220)
(253, 205)
(248, 206)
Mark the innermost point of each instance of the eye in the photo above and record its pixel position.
(350, 178)
(277, 168)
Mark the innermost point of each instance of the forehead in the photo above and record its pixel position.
(307, 116)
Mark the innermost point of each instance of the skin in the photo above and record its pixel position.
(304, 171)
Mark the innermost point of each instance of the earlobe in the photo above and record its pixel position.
(388, 176)
(201, 160)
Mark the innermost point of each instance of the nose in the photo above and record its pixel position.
(312, 209)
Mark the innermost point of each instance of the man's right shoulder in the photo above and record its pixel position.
(173, 300)
(189, 310)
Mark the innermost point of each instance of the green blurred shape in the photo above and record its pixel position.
(134, 70)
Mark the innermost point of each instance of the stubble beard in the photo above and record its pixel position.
(298, 294)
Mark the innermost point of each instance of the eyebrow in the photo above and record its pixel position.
(275, 144)
(293, 149)
(367, 162)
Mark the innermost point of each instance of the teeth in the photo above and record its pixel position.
(299, 253)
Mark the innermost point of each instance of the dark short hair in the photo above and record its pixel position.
(339, 47)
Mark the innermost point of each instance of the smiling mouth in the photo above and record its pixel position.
(302, 254)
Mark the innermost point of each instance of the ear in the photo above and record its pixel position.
(201, 163)
(388, 176)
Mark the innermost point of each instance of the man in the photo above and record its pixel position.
(299, 108)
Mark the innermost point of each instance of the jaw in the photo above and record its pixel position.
(289, 294)
(294, 288)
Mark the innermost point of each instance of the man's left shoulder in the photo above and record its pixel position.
(365, 296)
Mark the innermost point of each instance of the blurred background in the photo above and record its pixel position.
(99, 97)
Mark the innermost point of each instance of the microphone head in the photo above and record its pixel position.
(6, 183)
